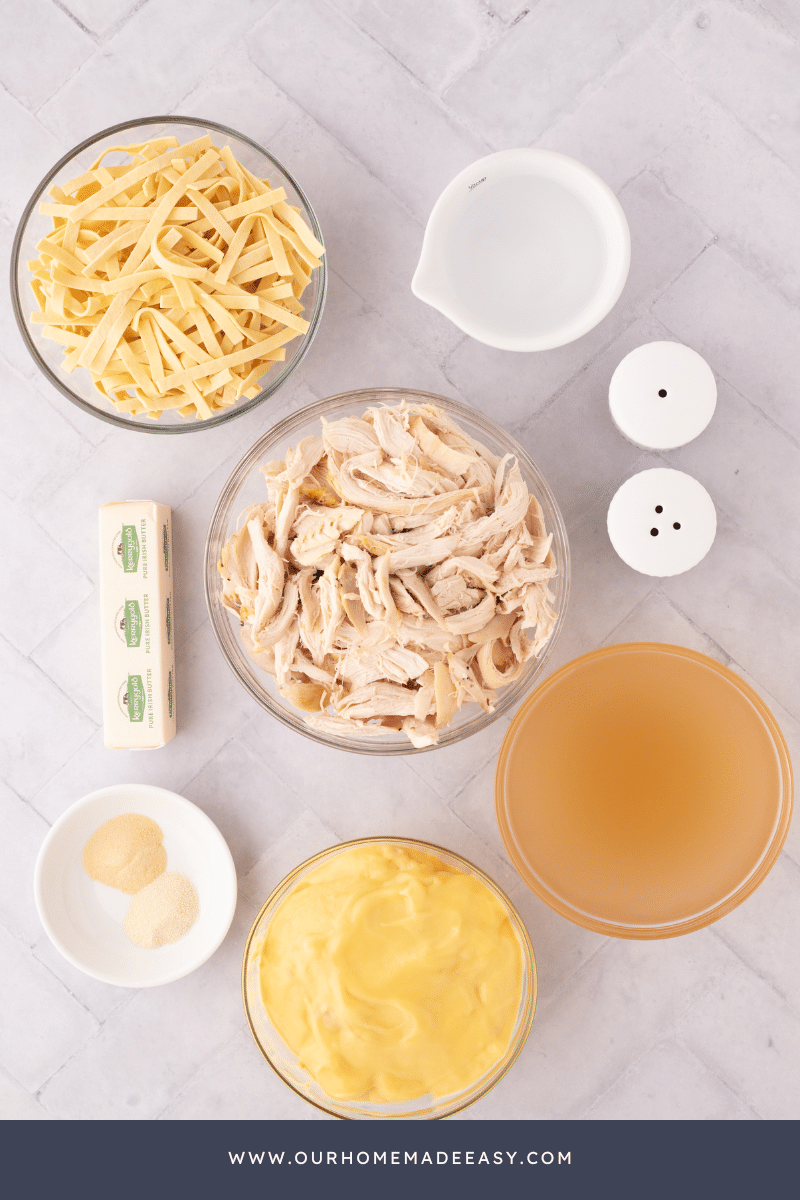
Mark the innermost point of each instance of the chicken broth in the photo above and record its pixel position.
(641, 787)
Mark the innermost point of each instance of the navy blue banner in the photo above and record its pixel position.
(221, 1159)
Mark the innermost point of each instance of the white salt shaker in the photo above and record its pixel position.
(662, 522)
(662, 395)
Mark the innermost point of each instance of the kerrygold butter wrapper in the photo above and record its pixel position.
(137, 634)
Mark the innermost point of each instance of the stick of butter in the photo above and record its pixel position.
(138, 642)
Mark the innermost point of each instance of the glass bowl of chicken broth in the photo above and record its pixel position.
(387, 571)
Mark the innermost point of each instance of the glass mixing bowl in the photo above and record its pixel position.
(285, 1062)
(246, 486)
(48, 355)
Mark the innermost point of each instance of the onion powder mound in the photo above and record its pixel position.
(126, 852)
(163, 911)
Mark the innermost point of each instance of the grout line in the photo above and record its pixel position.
(727, 658)
(753, 970)
(697, 84)
(631, 1067)
(52, 682)
(628, 616)
(178, 1096)
(4, 1070)
(92, 1038)
(698, 1055)
(706, 1067)
(567, 979)
(776, 22)
(345, 150)
(71, 15)
(437, 99)
(739, 254)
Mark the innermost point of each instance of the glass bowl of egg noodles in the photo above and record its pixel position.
(180, 276)
(413, 585)
(370, 999)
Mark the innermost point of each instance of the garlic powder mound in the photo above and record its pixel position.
(162, 912)
(126, 852)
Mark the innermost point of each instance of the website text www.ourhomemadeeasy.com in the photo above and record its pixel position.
(400, 1158)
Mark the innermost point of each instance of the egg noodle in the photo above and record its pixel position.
(175, 280)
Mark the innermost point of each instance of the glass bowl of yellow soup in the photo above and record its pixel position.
(389, 977)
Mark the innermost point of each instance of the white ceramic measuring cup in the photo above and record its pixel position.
(524, 250)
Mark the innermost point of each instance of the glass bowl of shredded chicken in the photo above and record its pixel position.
(387, 571)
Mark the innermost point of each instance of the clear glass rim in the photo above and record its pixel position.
(643, 932)
(116, 419)
(509, 695)
(527, 999)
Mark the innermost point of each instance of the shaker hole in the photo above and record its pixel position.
(676, 524)
(662, 392)
(653, 533)
(659, 508)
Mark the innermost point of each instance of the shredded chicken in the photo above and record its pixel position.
(397, 571)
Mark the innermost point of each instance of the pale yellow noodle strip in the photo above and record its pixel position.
(263, 271)
(173, 264)
(69, 238)
(290, 217)
(201, 243)
(221, 316)
(60, 255)
(167, 353)
(164, 205)
(121, 283)
(234, 250)
(130, 360)
(291, 237)
(206, 333)
(256, 253)
(275, 246)
(256, 204)
(211, 213)
(238, 358)
(114, 336)
(95, 342)
(283, 315)
(112, 243)
(121, 213)
(144, 150)
(180, 339)
(144, 327)
(56, 334)
(183, 288)
(135, 175)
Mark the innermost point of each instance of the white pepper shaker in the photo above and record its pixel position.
(662, 522)
(662, 395)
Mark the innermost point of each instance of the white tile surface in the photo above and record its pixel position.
(43, 1025)
(748, 1036)
(32, 78)
(541, 66)
(456, 32)
(689, 112)
(745, 63)
(666, 1080)
(409, 155)
(22, 832)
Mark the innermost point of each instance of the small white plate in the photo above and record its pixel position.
(84, 919)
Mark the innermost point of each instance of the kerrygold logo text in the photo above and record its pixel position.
(133, 698)
(128, 549)
(129, 623)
